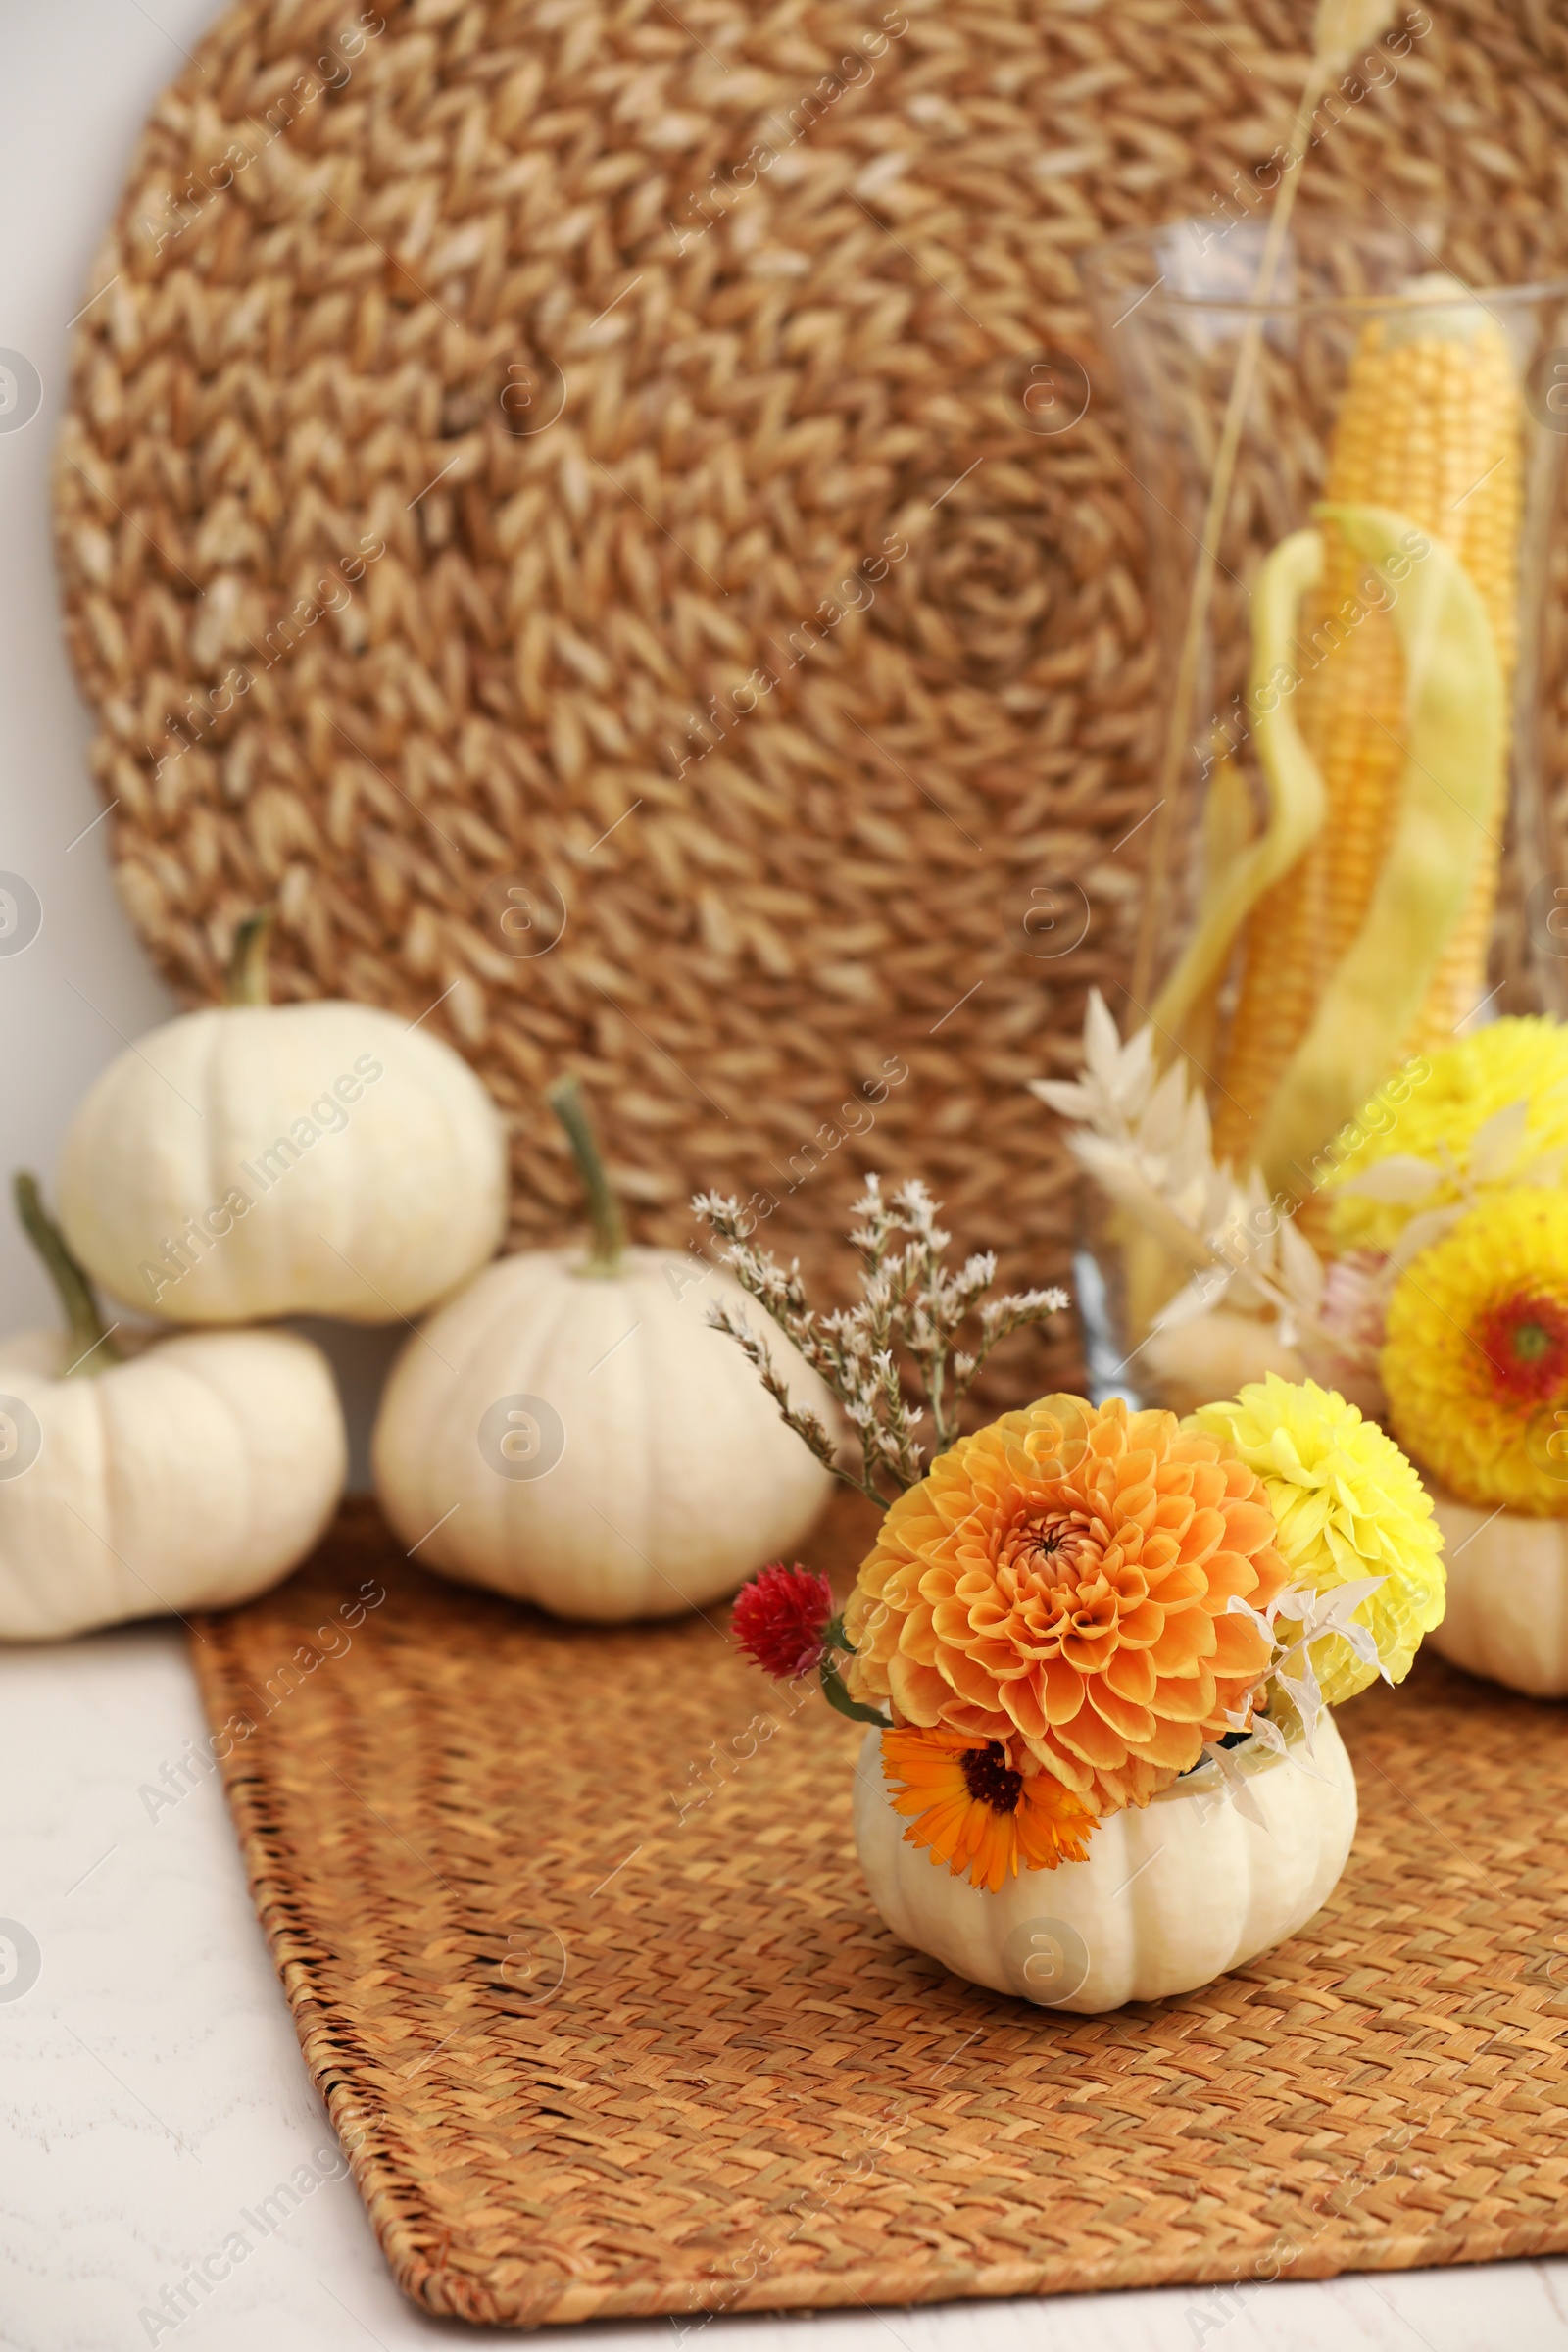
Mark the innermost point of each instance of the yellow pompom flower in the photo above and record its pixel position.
(1475, 1363)
(1437, 1117)
(1347, 1505)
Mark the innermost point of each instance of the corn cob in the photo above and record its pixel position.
(1456, 722)
(1429, 429)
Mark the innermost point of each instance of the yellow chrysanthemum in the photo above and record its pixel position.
(1347, 1505)
(1440, 1115)
(1475, 1365)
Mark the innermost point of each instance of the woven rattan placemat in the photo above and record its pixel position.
(581, 1960)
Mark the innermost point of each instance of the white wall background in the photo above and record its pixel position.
(77, 79)
(63, 999)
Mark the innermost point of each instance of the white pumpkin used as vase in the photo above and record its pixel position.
(1171, 1894)
(254, 1160)
(1096, 1645)
(1108, 1642)
(1507, 1613)
(190, 1474)
(570, 1432)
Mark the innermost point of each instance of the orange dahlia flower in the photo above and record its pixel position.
(978, 1811)
(1060, 1578)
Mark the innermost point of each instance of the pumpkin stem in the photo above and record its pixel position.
(605, 1222)
(91, 1346)
(245, 981)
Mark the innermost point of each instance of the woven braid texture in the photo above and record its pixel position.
(608, 2026)
(568, 503)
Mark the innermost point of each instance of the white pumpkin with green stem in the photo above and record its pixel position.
(189, 1475)
(569, 1432)
(254, 1160)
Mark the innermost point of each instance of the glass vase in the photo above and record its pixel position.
(1349, 851)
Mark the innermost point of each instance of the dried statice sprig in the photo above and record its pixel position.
(911, 1307)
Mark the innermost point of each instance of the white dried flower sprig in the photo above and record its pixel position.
(1147, 1141)
(911, 1307)
(1314, 1614)
(1501, 1153)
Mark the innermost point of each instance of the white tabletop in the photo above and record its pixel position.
(151, 2087)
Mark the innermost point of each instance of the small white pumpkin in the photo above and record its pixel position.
(570, 1432)
(1215, 1354)
(1507, 1613)
(1169, 1897)
(254, 1160)
(189, 1476)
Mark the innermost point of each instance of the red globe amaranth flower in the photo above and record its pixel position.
(1525, 1342)
(781, 1619)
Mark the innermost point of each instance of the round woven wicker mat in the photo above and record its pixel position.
(581, 1960)
(631, 354)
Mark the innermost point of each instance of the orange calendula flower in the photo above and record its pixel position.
(1061, 1579)
(977, 1812)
